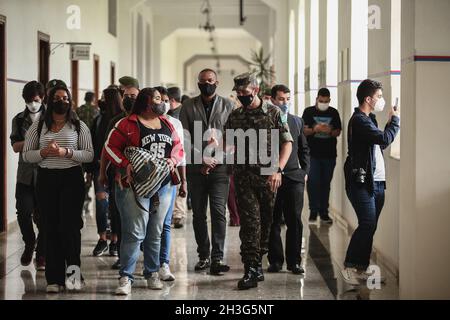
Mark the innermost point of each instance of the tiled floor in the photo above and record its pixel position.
(324, 250)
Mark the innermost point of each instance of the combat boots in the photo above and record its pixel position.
(250, 279)
(259, 272)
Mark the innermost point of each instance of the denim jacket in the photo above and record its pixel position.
(363, 135)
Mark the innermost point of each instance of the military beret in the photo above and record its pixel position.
(129, 82)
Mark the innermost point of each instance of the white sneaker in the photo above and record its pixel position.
(350, 276)
(124, 287)
(165, 274)
(365, 276)
(153, 282)
(75, 285)
(54, 288)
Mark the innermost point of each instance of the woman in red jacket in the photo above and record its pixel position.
(147, 128)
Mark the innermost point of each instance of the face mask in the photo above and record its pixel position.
(323, 106)
(207, 89)
(285, 107)
(379, 106)
(245, 100)
(167, 104)
(34, 106)
(128, 103)
(158, 109)
(61, 107)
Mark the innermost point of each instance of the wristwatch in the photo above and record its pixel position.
(279, 170)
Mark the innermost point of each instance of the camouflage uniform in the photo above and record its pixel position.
(254, 198)
(87, 113)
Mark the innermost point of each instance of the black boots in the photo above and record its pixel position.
(250, 279)
(259, 272)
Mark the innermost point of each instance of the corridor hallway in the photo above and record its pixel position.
(324, 248)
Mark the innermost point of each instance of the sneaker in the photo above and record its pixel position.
(100, 248)
(27, 256)
(165, 274)
(54, 288)
(312, 217)
(75, 284)
(364, 276)
(113, 249)
(202, 264)
(153, 282)
(350, 276)
(116, 265)
(178, 223)
(326, 220)
(124, 287)
(218, 267)
(40, 263)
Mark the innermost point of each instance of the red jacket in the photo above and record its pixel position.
(117, 142)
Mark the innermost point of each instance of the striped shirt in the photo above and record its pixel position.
(67, 137)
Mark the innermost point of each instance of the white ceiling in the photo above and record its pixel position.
(219, 33)
(222, 7)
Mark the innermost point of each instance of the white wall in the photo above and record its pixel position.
(425, 175)
(24, 19)
(379, 67)
(177, 49)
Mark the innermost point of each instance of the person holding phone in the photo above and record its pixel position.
(365, 174)
(322, 128)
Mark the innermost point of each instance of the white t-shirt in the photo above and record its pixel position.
(380, 171)
(179, 129)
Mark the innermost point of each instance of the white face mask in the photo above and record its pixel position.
(323, 106)
(379, 106)
(34, 106)
(167, 104)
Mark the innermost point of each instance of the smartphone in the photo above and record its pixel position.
(396, 104)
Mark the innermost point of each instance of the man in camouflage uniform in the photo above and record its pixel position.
(255, 187)
(88, 111)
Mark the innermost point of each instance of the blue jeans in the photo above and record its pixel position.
(140, 226)
(368, 208)
(101, 206)
(318, 185)
(165, 237)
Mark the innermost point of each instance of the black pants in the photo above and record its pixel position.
(27, 210)
(289, 202)
(216, 188)
(60, 199)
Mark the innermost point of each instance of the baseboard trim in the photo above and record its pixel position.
(377, 256)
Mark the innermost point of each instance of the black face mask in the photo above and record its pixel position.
(158, 109)
(207, 89)
(246, 100)
(61, 107)
(128, 103)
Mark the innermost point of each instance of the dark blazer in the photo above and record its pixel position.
(299, 161)
(193, 111)
(363, 135)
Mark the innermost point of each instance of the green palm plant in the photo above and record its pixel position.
(259, 64)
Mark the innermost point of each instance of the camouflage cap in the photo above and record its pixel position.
(55, 83)
(243, 80)
(268, 92)
(129, 82)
